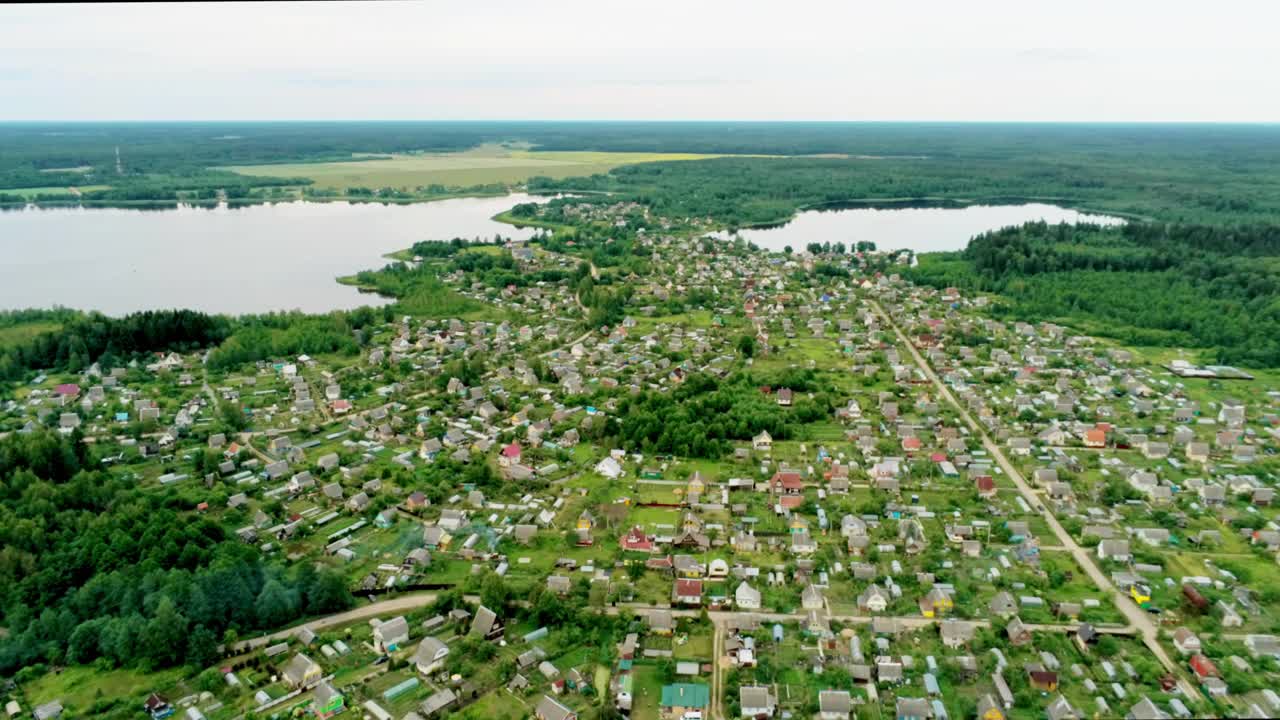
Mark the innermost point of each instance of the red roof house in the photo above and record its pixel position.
(1203, 666)
(637, 541)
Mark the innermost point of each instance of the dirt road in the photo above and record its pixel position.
(1137, 617)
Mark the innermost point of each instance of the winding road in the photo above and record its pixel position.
(1138, 618)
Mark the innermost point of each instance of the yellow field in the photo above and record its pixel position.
(478, 166)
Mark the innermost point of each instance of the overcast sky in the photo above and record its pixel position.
(1138, 60)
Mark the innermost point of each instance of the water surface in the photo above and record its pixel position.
(234, 260)
(921, 229)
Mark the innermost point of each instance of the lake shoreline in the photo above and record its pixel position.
(934, 202)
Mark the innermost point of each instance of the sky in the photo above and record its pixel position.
(922, 60)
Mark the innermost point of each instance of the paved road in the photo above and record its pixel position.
(394, 606)
(1137, 617)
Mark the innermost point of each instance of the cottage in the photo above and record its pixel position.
(834, 705)
(684, 700)
(391, 635)
(550, 709)
(430, 655)
(301, 672)
(756, 702)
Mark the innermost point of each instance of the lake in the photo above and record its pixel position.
(918, 228)
(233, 260)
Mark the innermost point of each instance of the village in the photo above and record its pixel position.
(955, 515)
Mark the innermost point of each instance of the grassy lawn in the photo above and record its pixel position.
(52, 190)
(647, 692)
(477, 166)
(80, 686)
(26, 331)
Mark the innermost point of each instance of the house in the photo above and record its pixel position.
(559, 584)
(1043, 680)
(1185, 641)
(986, 486)
(756, 702)
(989, 709)
(1117, 550)
(1203, 667)
(873, 599)
(683, 700)
(637, 541)
(391, 635)
(430, 655)
(786, 483)
(1144, 709)
(1002, 605)
(157, 706)
(510, 455)
(785, 397)
(661, 622)
(326, 702)
(550, 709)
(936, 602)
(747, 597)
(956, 633)
(438, 702)
(1263, 646)
(486, 624)
(914, 709)
(834, 705)
(416, 501)
(301, 672)
(609, 468)
(811, 598)
(762, 442)
(1060, 709)
(687, 592)
(48, 711)
(1017, 632)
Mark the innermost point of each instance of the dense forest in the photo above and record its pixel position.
(1171, 172)
(1214, 287)
(705, 415)
(741, 191)
(94, 567)
(82, 339)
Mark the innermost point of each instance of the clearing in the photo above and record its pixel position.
(478, 166)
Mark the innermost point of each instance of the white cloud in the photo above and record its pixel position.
(572, 59)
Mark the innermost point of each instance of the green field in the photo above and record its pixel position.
(33, 191)
(478, 166)
(26, 331)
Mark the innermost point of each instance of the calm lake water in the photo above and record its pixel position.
(226, 260)
(921, 229)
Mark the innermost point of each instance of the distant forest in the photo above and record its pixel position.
(1171, 172)
(1145, 284)
(1196, 265)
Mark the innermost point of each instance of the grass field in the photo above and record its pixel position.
(478, 166)
(21, 333)
(80, 686)
(32, 192)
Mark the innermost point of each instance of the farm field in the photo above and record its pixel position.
(478, 166)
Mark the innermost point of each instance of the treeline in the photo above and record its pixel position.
(704, 415)
(1146, 284)
(92, 567)
(87, 338)
(743, 191)
(274, 335)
